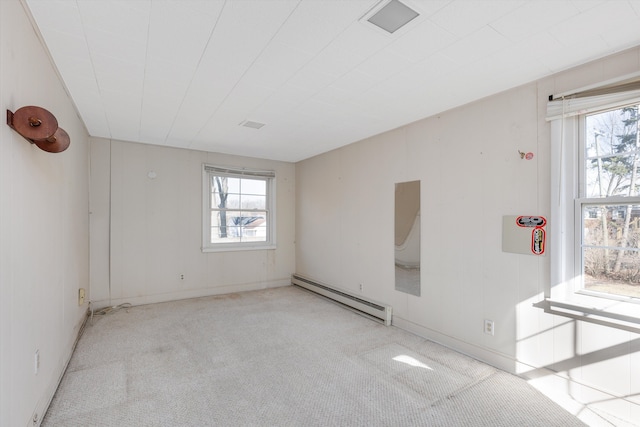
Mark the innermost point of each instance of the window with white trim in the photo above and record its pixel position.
(608, 204)
(238, 209)
(595, 227)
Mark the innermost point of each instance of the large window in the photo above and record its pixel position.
(595, 206)
(608, 205)
(238, 209)
(594, 226)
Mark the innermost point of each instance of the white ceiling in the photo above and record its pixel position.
(186, 73)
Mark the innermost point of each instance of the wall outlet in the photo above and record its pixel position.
(81, 294)
(360, 286)
(36, 362)
(489, 327)
(182, 277)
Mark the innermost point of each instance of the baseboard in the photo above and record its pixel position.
(600, 406)
(192, 293)
(45, 402)
(493, 358)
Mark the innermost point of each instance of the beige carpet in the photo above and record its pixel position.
(280, 357)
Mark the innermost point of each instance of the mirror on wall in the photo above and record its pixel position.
(407, 237)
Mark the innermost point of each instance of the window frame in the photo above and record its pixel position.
(269, 176)
(566, 295)
(581, 200)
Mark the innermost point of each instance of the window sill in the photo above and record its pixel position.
(237, 248)
(603, 311)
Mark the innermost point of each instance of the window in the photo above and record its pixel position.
(610, 242)
(595, 217)
(238, 209)
(594, 226)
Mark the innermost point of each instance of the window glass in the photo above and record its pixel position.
(254, 186)
(240, 210)
(609, 203)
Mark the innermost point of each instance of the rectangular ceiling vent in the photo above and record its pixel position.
(252, 125)
(391, 15)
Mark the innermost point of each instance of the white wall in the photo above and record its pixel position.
(44, 229)
(147, 233)
(471, 175)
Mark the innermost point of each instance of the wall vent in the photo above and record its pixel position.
(368, 308)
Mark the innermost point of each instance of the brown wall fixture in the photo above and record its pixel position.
(39, 127)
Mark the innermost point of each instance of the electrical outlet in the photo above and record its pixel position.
(360, 286)
(36, 362)
(489, 327)
(81, 294)
(182, 277)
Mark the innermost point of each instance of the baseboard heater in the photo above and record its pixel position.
(371, 309)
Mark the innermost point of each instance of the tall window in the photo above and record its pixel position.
(595, 205)
(608, 202)
(238, 209)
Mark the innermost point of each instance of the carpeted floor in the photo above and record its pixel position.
(280, 357)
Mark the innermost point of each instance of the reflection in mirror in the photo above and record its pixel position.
(407, 237)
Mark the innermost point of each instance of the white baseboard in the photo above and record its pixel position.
(191, 293)
(596, 407)
(490, 357)
(43, 405)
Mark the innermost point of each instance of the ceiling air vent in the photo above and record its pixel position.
(252, 125)
(392, 16)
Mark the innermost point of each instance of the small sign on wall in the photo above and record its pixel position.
(524, 234)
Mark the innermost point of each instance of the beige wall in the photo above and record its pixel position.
(44, 229)
(147, 233)
(471, 175)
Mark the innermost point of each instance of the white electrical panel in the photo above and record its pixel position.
(524, 234)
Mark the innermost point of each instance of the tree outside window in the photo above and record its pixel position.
(609, 202)
(238, 209)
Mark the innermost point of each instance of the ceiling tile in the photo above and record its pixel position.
(348, 50)
(384, 64)
(464, 17)
(564, 58)
(101, 43)
(421, 74)
(535, 47)
(171, 24)
(309, 80)
(159, 74)
(129, 19)
(71, 51)
(534, 18)
(338, 98)
(288, 97)
(601, 19)
(116, 74)
(245, 97)
(85, 96)
(422, 41)
(155, 120)
(58, 15)
(283, 57)
(469, 49)
(354, 82)
(584, 5)
(314, 25)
